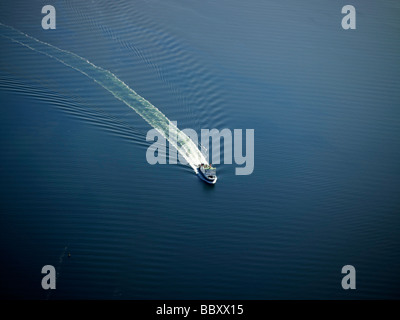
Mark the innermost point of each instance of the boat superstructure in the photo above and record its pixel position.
(207, 173)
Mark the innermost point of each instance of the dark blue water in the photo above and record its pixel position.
(325, 107)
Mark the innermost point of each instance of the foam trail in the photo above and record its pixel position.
(187, 148)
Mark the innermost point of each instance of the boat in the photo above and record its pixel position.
(207, 173)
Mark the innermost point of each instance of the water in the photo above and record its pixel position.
(324, 104)
(188, 149)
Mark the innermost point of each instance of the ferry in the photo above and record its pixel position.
(207, 173)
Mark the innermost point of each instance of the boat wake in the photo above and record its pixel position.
(187, 148)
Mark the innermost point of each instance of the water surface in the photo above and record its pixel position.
(324, 104)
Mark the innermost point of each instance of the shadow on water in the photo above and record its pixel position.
(206, 186)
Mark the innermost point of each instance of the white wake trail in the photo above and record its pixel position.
(187, 148)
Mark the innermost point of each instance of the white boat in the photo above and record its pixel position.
(207, 173)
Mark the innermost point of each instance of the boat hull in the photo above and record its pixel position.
(202, 177)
